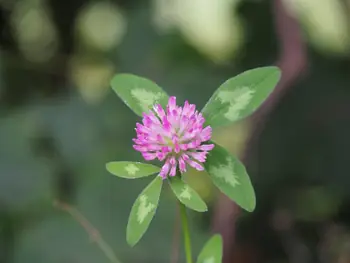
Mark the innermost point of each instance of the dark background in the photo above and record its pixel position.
(60, 123)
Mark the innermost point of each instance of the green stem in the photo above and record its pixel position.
(186, 233)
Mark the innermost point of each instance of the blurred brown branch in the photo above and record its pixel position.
(95, 236)
(292, 61)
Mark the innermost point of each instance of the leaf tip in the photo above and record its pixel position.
(202, 210)
(129, 239)
(130, 243)
(118, 81)
(277, 72)
(108, 166)
(273, 69)
(217, 237)
(252, 205)
(114, 79)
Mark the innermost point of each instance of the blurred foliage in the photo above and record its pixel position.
(326, 26)
(101, 26)
(34, 30)
(60, 122)
(212, 27)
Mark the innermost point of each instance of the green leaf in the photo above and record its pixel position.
(131, 170)
(240, 96)
(139, 94)
(231, 177)
(143, 211)
(212, 251)
(187, 195)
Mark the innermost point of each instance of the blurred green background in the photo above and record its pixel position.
(60, 123)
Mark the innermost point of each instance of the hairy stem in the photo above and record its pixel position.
(186, 233)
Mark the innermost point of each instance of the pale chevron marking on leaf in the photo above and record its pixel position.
(225, 172)
(144, 209)
(209, 260)
(185, 193)
(131, 169)
(238, 100)
(146, 98)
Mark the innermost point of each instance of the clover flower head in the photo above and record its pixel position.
(174, 135)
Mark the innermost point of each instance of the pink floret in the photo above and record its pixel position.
(175, 135)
